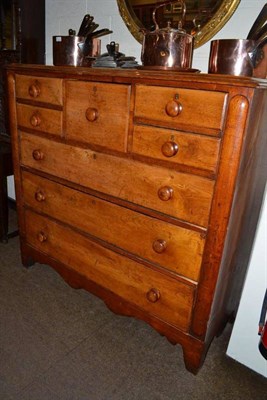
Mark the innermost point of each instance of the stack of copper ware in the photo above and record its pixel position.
(81, 49)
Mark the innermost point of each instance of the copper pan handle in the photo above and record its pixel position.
(262, 39)
(257, 53)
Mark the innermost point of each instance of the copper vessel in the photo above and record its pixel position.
(240, 57)
(167, 47)
(68, 50)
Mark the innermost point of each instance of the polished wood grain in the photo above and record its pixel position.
(129, 180)
(158, 216)
(40, 119)
(197, 151)
(114, 224)
(47, 90)
(100, 116)
(197, 110)
(128, 279)
(223, 200)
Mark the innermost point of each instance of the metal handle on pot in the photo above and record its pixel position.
(165, 3)
(261, 41)
(257, 53)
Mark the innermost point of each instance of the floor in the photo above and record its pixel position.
(60, 343)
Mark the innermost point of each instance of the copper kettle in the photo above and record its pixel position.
(167, 47)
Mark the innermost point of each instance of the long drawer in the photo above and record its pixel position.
(183, 196)
(170, 246)
(151, 291)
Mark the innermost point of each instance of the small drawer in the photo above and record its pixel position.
(184, 196)
(199, 111)
(45, 90)
(177, 147)
(152, 291)
(173, 247)
(98, 113)
(40, 119)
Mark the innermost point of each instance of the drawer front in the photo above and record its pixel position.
(183, 196)
(150, 290)
(39, 119)
(45, 90)
(176, 147)
(98, 113)
(199, 111)
(170, 246)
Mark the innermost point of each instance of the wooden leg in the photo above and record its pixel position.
(27, 261)
(194, 358)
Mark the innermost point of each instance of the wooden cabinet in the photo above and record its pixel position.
(144, 188)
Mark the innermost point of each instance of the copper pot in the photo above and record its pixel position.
(167, 47)
(239, 57)
(68, 50)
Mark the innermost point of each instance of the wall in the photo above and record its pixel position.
(64, 14)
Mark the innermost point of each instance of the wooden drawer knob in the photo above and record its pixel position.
(173, 107)
(91, 114)
(165, 193)
(40, 196)
(159, 245)
(35, 120)
(34, 90)
(38, 155)
(42, 237)
(169, 149)
(153, 295)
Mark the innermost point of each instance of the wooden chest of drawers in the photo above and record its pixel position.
(143, 188)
